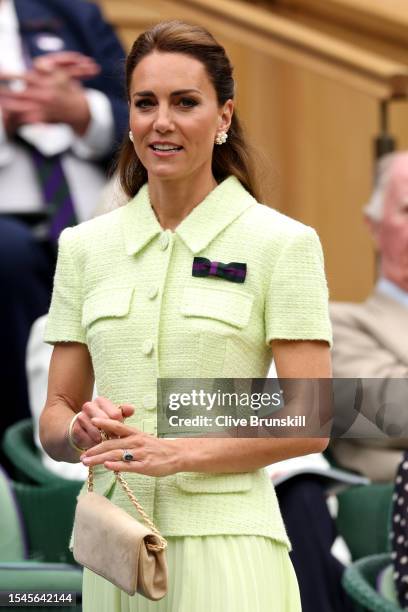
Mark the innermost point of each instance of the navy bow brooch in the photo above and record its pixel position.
(234, 271)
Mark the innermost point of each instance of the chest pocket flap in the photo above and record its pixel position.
(109, 302)
(196, 482)
(233, 307)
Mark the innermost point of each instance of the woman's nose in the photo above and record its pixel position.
(163, 121)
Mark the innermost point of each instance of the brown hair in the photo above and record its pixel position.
(195, 41)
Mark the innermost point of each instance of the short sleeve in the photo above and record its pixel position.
(296, 305)
(64, 317)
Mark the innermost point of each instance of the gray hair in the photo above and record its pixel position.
(374, 209)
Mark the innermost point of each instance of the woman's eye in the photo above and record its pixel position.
(187, 102)
(144, 103)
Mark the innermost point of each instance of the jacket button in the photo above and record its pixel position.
(152, 293)
(147, 347)
(149, 401)
(164, 241)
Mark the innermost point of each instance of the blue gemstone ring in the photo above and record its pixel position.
(127, 456)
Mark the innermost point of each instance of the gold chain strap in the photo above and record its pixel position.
(128, 490)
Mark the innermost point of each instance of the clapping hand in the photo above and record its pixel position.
(51, 92)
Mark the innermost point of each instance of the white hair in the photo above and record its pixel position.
(374, 209)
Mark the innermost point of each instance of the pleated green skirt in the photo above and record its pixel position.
(212, 574)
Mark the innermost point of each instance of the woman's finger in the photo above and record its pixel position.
(113, 444)
(79, 435)
(111, 410)
(111, 456)
(127, 410)
(92, 409)
(124, 466)
(114, 427)
(88, 427)
(102, 408)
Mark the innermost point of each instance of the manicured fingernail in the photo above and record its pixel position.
(86, 460)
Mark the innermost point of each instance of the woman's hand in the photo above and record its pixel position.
(85, 434)
(152, 456)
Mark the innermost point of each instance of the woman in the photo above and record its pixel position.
(128, 308)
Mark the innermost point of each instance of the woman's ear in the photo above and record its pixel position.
(225, 116)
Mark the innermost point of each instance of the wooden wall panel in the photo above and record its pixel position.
(314, 134)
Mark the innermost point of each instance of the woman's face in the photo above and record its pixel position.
(174, 116)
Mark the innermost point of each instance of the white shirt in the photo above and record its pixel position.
(387, 287)
(19, 188)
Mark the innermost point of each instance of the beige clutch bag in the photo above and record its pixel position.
(111, 543)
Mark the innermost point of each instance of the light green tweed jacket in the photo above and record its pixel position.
(124, 287)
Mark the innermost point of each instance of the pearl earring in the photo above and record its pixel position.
(130, 136)
(221, 138)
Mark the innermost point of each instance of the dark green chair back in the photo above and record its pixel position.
(359, 580)
(48, 514)
(13, 545)
(46, 500)
(17, 571)
(364, 517)
(19, 448)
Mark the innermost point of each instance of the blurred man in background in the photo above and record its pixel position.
(371, 338)
(370, 341)
(62, 114)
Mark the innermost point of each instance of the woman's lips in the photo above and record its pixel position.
(165, 152)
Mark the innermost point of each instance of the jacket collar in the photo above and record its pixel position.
(208, 219)
(139, 222)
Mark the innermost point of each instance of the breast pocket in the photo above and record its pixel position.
(217, 314)
(105, 312)
(223, 305)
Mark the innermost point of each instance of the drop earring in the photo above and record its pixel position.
(130, 136)
(221, 138)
